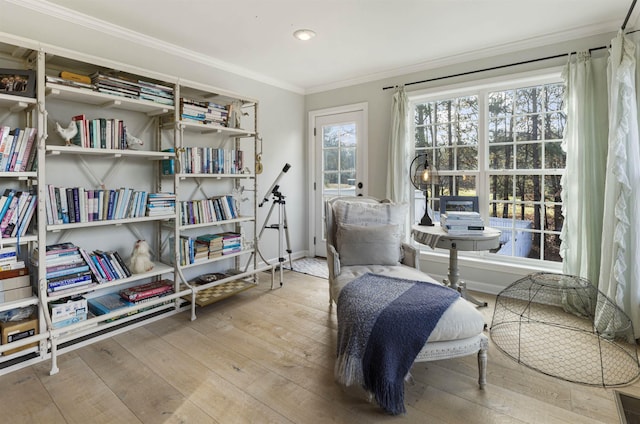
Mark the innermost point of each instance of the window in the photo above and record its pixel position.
(502, 144)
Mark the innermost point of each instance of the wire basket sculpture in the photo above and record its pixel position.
(563, 326)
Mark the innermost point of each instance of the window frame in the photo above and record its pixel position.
(481, 88)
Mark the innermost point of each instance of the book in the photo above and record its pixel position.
(12, 273)
(4, 143)
(73, 282)
(97, 276)
(25, 151)
(63, 270)
(107, 303)
(143, 291)
(122, 263)
(75, 77)
(14, 137)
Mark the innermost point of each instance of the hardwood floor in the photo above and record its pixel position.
(267, 356)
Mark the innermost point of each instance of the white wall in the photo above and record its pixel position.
(281, 112)
(478, 273)
(283, 117)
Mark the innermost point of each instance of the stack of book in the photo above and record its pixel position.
(147, 292)
(9, 259)
(462, 223)
(231, 242)
(14, 276)
(17, 209)
(66, 268)
(161, 204)
(192, 250)
(71, 79)
(115, 85)
(214, 244)
(128, 297)
(156, 93)
(205, 112)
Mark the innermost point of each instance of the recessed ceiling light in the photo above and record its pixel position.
(304, 34)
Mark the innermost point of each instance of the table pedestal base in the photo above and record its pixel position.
(454, 278)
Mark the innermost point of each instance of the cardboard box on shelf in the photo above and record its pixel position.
(17, 330)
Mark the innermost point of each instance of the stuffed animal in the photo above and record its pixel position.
(140, 258)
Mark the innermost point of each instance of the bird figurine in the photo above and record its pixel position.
(140, 258)
(67, 133)
(134, 143)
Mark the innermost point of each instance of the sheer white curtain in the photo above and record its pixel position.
(398, 164)
(601, 185)
(585, 142)
(619, 265)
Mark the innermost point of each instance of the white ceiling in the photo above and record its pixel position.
(357, 40)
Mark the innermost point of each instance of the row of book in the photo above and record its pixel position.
(162, 203)
(462, 223)
(128, 297)
(101, 133)
(116, 85)
(214, 209)
(208, 246)
(18, 149)
(207, 160)
(205, 112)
(69, 267)
(66, 205)
(9, 259)
(17, 209)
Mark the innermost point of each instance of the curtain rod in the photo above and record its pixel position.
(493, 68)
(626, 19)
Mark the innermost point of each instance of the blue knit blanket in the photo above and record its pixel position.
(383, 323)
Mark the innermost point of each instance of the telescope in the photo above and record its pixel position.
(274, 186)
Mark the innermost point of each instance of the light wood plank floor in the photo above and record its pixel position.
(267, 356)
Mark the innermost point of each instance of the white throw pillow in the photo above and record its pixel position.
(364, 213)
(368, 245)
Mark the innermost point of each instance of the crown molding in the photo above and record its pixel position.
(89, 22)
(74, 17)
(477, 54)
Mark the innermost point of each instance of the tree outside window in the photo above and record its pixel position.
(505, 147)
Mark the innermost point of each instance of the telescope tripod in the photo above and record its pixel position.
(281, 226)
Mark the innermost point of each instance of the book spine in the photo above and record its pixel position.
(98, 267)
(6, 219)
(68, 271)
(112, 199)
(92, 266)
(69, 283)
(108, 269)
(122, 263)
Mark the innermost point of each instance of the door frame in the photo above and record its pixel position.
(312, 160)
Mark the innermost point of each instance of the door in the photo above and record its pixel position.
(339, 141)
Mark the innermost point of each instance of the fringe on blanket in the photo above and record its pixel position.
(348, 370)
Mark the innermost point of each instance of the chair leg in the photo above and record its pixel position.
(482, 368)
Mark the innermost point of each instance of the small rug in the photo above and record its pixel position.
(312, 266)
